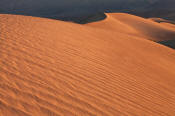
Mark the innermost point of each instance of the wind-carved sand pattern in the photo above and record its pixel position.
(54, 68)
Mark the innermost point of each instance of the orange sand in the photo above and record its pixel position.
(134, 25)
(53, 68)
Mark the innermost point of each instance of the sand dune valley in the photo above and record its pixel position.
(122, 65)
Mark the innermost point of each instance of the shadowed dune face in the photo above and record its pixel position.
(49, 67)
(169, 43)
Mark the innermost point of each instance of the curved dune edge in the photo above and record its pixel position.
(137, 26)
(50, 68)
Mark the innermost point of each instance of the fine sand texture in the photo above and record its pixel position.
(55, 68)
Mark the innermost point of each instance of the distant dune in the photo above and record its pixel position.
(160, 20)
(156, 29)
(107, 68)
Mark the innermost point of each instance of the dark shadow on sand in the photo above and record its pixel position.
(169, 43)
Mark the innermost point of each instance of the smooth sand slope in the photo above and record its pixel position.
(134, 25)
(155, 29)
(53, 68)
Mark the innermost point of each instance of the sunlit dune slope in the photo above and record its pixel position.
(52, 68)
(168, 25)
(137, 26)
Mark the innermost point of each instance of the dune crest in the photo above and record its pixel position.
(137, 26)
(52, 68)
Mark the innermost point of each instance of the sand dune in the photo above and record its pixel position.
(52, 68)
(137, 26)
(156, 29)
(168, 25)
(160, 20)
